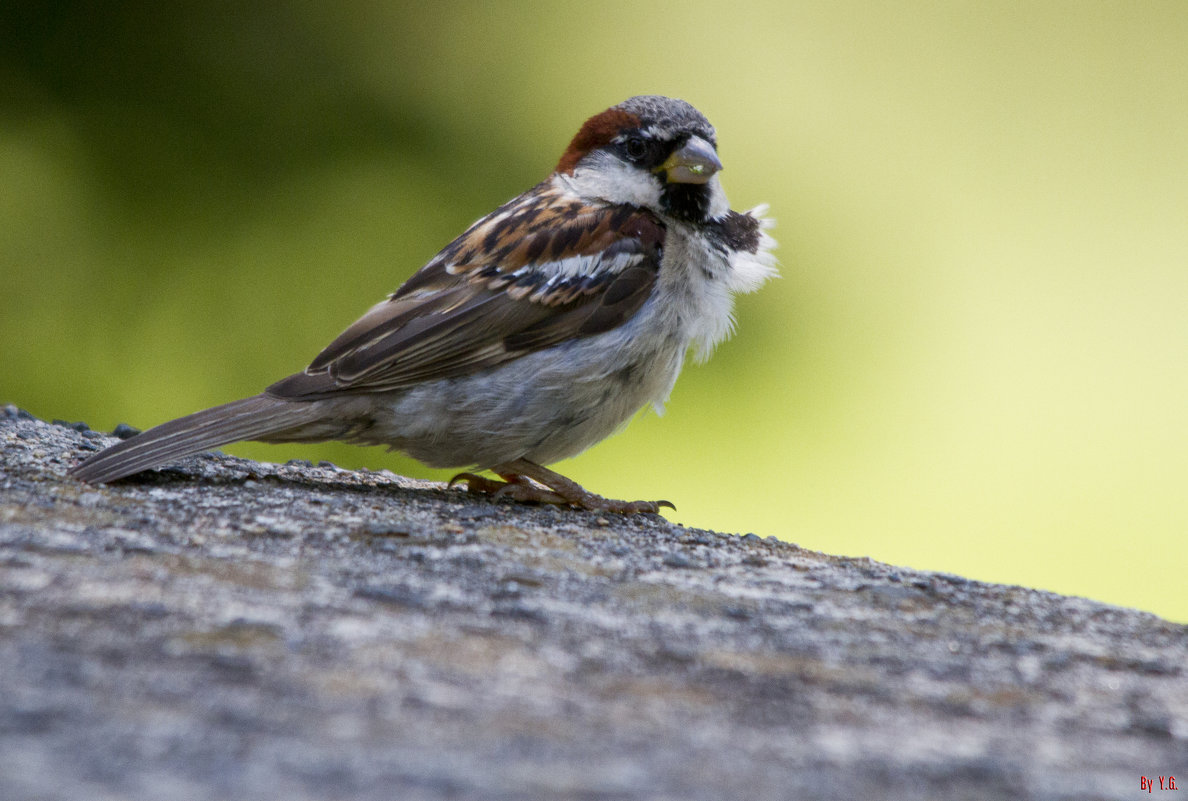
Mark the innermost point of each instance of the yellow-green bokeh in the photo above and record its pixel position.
(975, 360)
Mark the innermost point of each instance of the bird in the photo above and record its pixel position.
(538, 332)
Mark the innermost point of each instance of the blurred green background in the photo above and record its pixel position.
(975, 360)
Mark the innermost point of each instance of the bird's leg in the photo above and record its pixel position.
(553, 488)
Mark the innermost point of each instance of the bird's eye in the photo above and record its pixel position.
(636, 148)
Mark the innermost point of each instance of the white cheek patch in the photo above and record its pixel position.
(604, 177)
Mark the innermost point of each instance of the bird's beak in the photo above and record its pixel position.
(694, 163)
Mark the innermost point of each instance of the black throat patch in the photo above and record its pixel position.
(688, 202)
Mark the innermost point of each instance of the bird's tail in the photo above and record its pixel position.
(257, 417)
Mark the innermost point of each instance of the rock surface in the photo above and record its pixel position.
(231, 629)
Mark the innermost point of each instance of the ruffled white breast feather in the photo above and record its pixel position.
(749, 271)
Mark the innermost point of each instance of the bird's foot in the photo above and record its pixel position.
(516, 488)
(528, 482)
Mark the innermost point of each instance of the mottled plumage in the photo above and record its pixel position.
(538, 270)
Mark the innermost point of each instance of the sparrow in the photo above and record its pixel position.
(538, 332)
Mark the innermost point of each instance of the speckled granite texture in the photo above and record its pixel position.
(231, 629)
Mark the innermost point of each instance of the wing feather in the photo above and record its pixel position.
(541, 269)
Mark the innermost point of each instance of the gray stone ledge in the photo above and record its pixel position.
(232, 629)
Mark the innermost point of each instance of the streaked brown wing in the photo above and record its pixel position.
(531, 274)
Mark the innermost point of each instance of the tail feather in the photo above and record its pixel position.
(251, 418)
